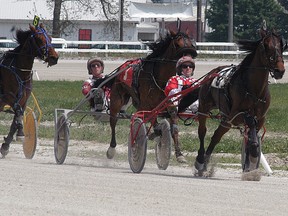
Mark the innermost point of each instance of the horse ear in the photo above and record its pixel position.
(187, 32)
(32, 28)
(264, 25)
(178, 25)
(263, 29)
(262, 33)
(172, 33)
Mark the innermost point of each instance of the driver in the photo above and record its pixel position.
(95, 68)
(184, 79)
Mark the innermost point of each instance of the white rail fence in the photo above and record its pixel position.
(62, 45)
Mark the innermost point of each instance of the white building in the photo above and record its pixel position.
(87, 25)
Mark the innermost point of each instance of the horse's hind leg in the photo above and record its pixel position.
(7, 140)
(203, 157)
(202, 129)
(172, 110)
(116, 103)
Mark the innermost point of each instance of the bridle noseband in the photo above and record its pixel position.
(42, 51)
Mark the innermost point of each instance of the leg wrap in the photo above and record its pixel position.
(174, 129)
(253, 144)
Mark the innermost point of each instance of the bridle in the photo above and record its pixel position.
(186, 40)
(42, 51)
(277, 55)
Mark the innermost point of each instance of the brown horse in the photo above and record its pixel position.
(149, 80)
(245, 97)
(16, 75)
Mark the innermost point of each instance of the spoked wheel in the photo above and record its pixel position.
(137, 148)
(30, 133)
(245, 157)
(61, 139)
(163, 146)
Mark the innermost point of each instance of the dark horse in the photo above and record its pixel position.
(16, 75)
(245, 97)
(151, 78)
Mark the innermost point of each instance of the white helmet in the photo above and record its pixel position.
(183, 60)
(93, 60)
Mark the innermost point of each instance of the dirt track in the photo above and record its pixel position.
(76, 69)
(89, 184)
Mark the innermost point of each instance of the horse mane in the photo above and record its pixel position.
(21, 37)
(159, 46)
(250, 48)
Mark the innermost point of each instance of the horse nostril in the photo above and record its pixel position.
(278, 74)
(52, 61)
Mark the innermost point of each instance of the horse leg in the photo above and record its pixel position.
(252, 147)
(172, 110)
(202, 129)
(7, 140)
(111, 150)
(19, 124)
(117, 100)
(204, 158)
(215, 139)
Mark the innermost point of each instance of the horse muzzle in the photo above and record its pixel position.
(278, 74)
(51, 61)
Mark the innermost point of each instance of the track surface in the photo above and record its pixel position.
(93, 185)
(90, 184)
(76, 69)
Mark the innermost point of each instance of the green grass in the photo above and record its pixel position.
(67, 94)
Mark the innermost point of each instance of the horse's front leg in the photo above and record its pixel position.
(15, 126)
(202, 129)
(253, 145)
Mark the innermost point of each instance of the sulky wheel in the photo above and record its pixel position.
(163, 146)
(30, 133)
(138, 147)
(61, 139)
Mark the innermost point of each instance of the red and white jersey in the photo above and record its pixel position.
(176, 83)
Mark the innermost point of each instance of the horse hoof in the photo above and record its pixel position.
(199, 166)
(254, 175)
(181, 159)
(4, 149)
(111, 152)
(20, 138)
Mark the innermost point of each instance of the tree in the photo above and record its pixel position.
(56, 29)
(284, 4)
(248, 17)
(63, 15)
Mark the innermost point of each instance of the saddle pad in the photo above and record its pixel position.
(224, 76)
(127, 75)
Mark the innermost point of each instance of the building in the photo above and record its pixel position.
(90, 24)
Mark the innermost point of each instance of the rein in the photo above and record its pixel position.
(16, 71)
(151, 72)
(163, 60)
(20, 81)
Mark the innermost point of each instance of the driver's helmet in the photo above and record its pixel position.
(91, 61)
(183, 60)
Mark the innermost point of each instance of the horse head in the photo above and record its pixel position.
(183, 44)
(273, 45)
(41, 42)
